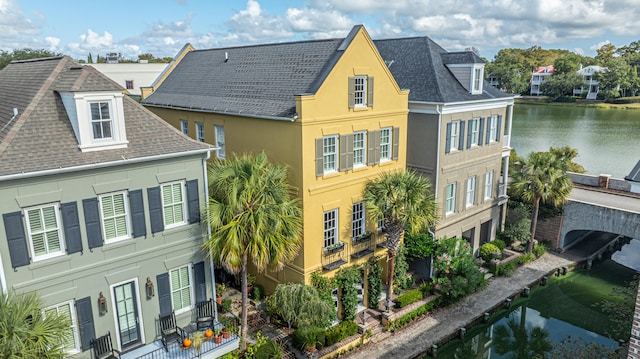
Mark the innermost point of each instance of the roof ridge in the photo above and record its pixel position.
(46, 86)
(269, 44)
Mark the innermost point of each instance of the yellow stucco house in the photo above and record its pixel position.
(312, 105)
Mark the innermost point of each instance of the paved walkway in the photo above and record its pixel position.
(417, 337)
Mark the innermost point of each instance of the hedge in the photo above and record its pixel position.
(412, 315)
(343, 330)
(408, 297)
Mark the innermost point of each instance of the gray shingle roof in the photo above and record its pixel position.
(634, 175)
(41, 137)
(258, 80)
(418, 64)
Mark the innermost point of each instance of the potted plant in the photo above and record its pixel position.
(335, 247)
(251, 280)
(226, 305)
(220, 289)
(363, 237)
(198, 340)
(217, 336)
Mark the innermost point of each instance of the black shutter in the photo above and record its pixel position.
(14, 228)
(319, 157)
(480, 131)
(155, 209)
(447, 144)
(136, 204)
(370, 91)
(71, 224)
(92, 222)
(469, 132)
(193, 201)
(200, 284)
(164, 293)
(352, 90)
(85, 322)
(395, 146)
(498, 131)
(487, 138)
(461, 137)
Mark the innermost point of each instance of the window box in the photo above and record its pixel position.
(363, 237)
(334, 248)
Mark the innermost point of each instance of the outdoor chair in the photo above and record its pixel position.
(170, 330)
(205, 314)
(103, 349)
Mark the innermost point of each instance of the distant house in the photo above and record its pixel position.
(131, 76)
(590, 85)
(458, 134)
(538, 77)
(100, 206)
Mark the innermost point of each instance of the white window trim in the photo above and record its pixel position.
(493, 128)
(200, 131)
(74, 323)
(78, 108)
(222, 152)
(184, 127)
(56, 209)
(335, 227)
(361, 222)
(488, 185)
(454, 142)
(450, 198)
(336, 146)
(474, 131)
(184, 205)
(476, 90)
(110, 120)
(389, 144)
(127, 216)
(471, 191)
(364, 149)
(363, 93)
(191, 289)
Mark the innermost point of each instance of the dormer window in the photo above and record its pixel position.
(97, 119)
(100, 120)
(476, 79)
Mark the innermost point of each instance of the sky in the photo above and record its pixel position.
(162, 27)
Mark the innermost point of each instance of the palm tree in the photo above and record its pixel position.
(540, 178)
(404, 200)
(26, 333)
(254, 216)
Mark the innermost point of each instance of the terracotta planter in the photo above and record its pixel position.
(219, 300)
(217, 339)
(226, 334)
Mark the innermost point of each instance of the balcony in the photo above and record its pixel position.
(334, 256)
(362, 246)
(502, 190)
(381, 240)
(209, 349)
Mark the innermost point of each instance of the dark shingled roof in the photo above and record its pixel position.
(41, 136)
(419, 64)
(634, 175)
(259, 80)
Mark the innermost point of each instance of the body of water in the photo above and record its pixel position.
(565, 309)
(607, 140)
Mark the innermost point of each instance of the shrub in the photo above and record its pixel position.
(500, 244)
(226, 304)
(489, 251)
(565, 99)
(426, 288)
(268, 350)
(344, 329)
(374, 282)
(539, 249)
(305, 337)
(258, 292)
(625, 100)
(408, 297)
(416, 313)
(526, 258)
(505, 269)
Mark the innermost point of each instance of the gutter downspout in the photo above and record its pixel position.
(437, 176)
(101, 165)
(206, 201)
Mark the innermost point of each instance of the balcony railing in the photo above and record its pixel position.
(502, 190)
(362, 246)
(334, 256)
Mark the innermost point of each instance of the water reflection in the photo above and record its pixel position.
(628, 256)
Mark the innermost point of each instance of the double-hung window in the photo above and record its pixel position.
(129, 84)
(360, 149)
(115, 218)
(471, 191)
(184, 127)
(219, 132)
(101, 122)
(488, 184)
(330, 227)
(454, 137)
(360, 91)
(493, 129)
(450, 198)
(477, 80)
(330, 153)
(173, 204)
(357, 220)
(200, 131)
(474, 132)
(181, 288)
(70, 339)
(385, 144)
(44, 230)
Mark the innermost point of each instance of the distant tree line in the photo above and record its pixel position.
(25, 54)
(513, 67)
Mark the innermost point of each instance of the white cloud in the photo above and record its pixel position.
(255, 25)
(16, 30)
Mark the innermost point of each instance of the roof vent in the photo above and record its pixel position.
(226, 56)
(15, 111)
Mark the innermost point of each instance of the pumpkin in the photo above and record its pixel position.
(186, 342)
(208, 333)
